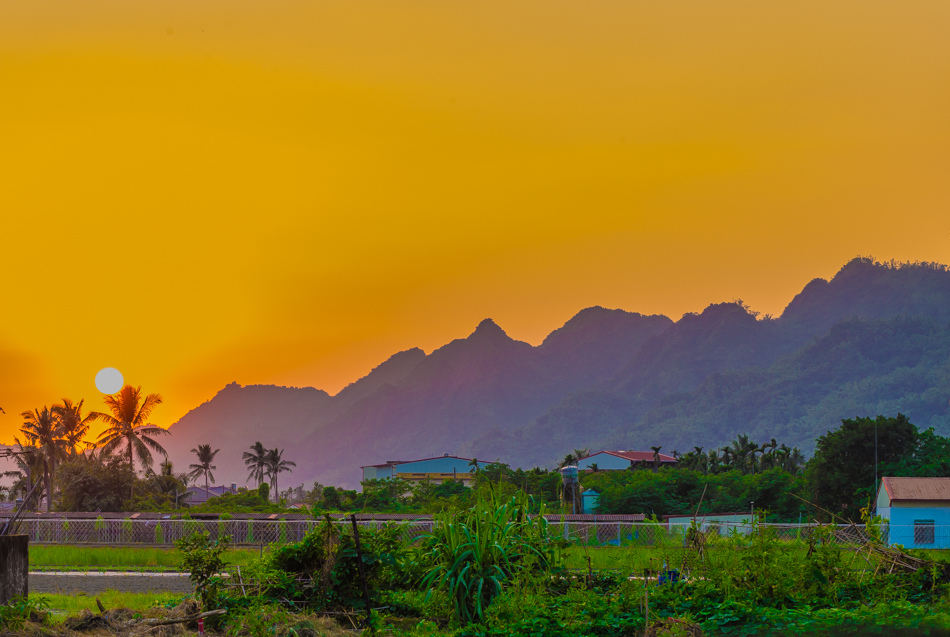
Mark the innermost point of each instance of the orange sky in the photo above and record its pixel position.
(289, 192)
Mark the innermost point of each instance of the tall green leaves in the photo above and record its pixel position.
(475, 552)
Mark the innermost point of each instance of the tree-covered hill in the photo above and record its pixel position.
(698, 382)
(874, 339)
(861, 367)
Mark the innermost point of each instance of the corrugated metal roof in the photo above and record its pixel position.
(917, 488)
(396, 463)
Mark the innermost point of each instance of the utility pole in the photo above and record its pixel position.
(874, 491)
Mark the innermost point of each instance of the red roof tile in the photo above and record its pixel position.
(635, 456)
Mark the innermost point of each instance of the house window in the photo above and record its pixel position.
(923, 531)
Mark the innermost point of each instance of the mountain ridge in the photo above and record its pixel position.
(606, 377)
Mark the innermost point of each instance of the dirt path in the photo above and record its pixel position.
(94, 582)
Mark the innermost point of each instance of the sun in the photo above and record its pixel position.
(109, 380)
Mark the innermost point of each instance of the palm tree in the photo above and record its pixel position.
(74, 425)
(128, 426)
(474, 465)
(167, 482)
(702, 460)
(275, 465)
(204, 466)
(42, 430)
(29, 462)
(743, 453)
(580, 454)
(256, 461)
(656, 458)
(795, 461)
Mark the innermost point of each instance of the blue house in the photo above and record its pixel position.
(917, 511)
(435, 470)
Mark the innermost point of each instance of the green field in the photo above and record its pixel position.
(73, 557)
(626, 559)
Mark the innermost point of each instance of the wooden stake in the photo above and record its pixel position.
(359, 563)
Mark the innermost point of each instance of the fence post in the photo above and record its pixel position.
(14, 574)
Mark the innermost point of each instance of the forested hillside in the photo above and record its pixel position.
(874, 339)
(727, 370)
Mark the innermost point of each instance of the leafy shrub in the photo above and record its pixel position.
(475, 552)
(201, 558)
(19, 610)
(528, 608)
(242, 502)
(322, 572)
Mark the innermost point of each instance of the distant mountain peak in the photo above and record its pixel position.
(390, 372)
(488, 329)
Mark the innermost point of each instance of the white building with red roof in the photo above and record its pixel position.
(618, 460)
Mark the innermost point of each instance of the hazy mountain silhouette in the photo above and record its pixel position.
(415, 405)
(614, 378)
(728, 338)
(862, 367)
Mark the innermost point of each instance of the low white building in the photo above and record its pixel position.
(617, 460)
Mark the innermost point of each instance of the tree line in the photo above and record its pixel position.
(57, 467)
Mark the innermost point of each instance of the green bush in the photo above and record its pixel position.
(474, 553)
(19, 610)
(322, 572)
(201, 558)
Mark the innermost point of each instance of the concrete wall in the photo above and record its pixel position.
(739, 522)
(883, 501)
(14, 567)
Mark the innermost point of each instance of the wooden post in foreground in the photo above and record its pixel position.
(14, 567)
(359, 563)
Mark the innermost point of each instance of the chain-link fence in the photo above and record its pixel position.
(598, 534)
(646, 534)
(167, 532)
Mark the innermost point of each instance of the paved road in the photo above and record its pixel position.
(95, 582)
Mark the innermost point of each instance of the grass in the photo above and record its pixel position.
(630, 559)
(73, 557)
(66, 605)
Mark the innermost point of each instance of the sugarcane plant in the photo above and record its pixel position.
(475, 553)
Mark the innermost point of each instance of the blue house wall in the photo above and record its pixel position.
(903, 519)
(438, 465)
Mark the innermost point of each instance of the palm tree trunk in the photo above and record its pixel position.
(206, 486)
(132, 469)
(49, 493)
